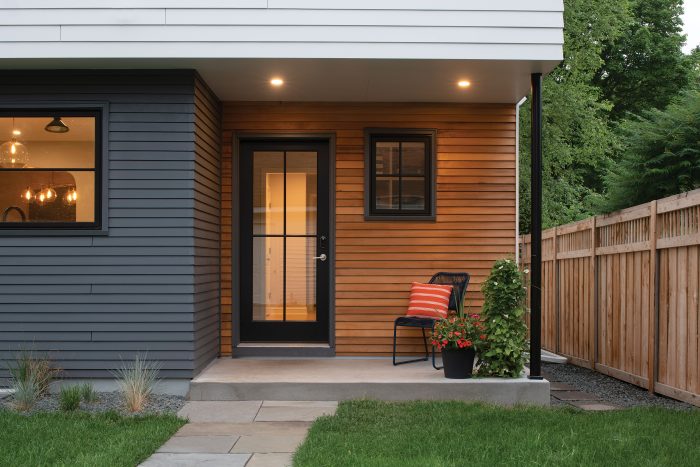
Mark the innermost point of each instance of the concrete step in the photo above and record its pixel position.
(334, 379)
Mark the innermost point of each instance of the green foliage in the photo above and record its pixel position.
(87, 393)
(578, 142)
(69, 398)
(503, 352)
(644, 67)
(459, 332)
(661, 157)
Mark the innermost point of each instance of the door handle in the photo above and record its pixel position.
(323, 257)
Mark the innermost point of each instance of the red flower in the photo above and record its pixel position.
(469, 343)
(482, 337)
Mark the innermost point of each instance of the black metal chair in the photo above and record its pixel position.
(459, 282)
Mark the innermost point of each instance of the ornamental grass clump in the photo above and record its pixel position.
(87, 393)
(503, 353)
(31, 377)
(136, 382)
(69, 398)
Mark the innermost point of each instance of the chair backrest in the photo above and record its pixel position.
(459, 282)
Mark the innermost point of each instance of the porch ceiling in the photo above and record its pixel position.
(348, 80)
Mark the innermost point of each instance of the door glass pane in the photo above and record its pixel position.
(268, 193)
(387, 158)
(302, 195)
(301, 279)
(387, 193)
(413, 193)
(412, 158)
(268, 276)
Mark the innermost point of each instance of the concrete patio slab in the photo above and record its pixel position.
(305, 404)
(200, 444)
(594, 407)
(270, 460)
(244, 429)
(215, 411)
(333, 379)
(165, 459)
(269, 443)
(561, 387)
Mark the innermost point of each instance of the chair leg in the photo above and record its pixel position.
(393, 357)
(425, 344)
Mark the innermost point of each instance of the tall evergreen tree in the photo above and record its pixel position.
(661, 156)
(644, 67)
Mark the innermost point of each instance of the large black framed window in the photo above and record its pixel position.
(400, 174)
(50, 169)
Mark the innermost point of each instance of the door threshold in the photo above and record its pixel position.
(283, 349)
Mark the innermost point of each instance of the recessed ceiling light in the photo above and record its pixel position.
(463, 84)
(16, 132)
(277, 82)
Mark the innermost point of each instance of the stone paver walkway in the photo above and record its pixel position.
(240, 433)
(565, 394)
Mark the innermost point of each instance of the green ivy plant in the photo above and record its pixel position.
(503, 353)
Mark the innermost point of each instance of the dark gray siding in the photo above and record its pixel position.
(207, 117)
(91, 301)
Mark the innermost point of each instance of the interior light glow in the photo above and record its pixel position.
(464, 84)
(277, 82)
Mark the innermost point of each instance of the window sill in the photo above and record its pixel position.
(381, 217)
(53, 232)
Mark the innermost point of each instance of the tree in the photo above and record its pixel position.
(644, 67)
(577, 140)
(661, 156)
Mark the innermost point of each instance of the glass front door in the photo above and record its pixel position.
(284, 241)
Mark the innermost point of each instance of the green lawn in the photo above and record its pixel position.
(369, 433)
(81, 439)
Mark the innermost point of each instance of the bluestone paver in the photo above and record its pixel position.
(269, 443)
(210, 444)
(222, 412)
(166, 459)
(270, 460)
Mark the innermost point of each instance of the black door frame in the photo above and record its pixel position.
(239, 138)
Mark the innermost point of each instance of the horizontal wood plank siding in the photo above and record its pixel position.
(207, 203)
(148, 285)
(377, 260)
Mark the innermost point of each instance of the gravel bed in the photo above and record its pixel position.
(610, 390)
(107, 401)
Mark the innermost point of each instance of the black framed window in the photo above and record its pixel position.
(400, 174)
(50, 169)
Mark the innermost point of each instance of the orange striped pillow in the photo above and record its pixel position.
(429, 300)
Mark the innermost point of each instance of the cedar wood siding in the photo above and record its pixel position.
(377, 260)
(91, 301)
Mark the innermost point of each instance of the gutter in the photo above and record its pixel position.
(517, 179)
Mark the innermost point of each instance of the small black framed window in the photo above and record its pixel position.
(400, 174)
(50, 169)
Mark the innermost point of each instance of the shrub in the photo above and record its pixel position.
(69, 398)
(87, 393)
(503, 353)
(136, 382)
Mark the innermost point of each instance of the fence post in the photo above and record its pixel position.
(594, 290)
(653, 300)
(555, 286)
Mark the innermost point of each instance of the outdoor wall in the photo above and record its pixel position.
(376, 261)
(92, 300)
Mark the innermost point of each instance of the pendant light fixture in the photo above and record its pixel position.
(13, 154)
(71, 196)
(27, 194)
(57, 126)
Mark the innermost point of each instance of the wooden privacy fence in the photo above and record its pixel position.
(620, 294)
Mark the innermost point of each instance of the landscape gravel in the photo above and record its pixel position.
(607, 389)
(108, 401)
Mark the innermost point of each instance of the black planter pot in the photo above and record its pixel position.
(458, 363)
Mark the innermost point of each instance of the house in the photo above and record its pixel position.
(252, 177)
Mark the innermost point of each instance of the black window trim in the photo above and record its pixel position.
(98, 110)
(400, 135)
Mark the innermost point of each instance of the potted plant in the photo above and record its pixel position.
(458, 336)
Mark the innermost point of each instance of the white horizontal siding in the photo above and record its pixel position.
(451, 29)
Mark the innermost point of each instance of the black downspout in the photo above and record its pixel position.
(536, 230)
